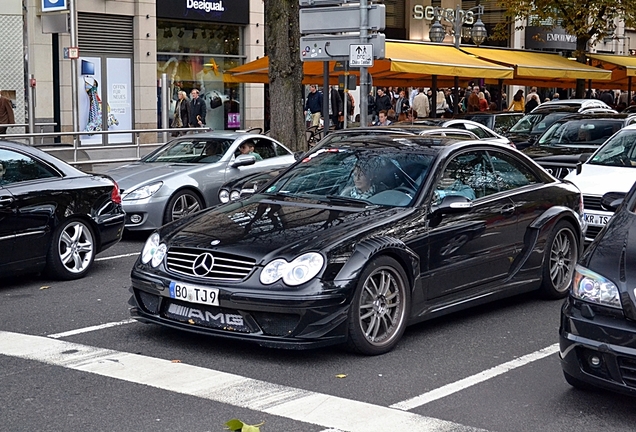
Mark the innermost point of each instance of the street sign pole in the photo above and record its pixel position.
(364, 80)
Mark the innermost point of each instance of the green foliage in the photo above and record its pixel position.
(236, 425)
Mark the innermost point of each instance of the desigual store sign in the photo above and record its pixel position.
(223, 11)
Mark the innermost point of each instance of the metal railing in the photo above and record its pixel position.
(26, 125)
(81, 153)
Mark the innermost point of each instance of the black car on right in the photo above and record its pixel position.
(598, 318)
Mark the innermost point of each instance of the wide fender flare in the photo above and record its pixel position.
(552, 216)
(369, 248)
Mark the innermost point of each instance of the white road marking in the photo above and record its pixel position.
(90, 329)
(302, 405)
(117, 256)
(462, 384)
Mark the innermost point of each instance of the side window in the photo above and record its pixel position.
(458, 175)
(18, 167)
(510, 172)
(265, 148)
(481, 133)
(280, 150)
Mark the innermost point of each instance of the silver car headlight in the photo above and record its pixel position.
(224, 196)
(299, 271)
(143, 192)
(234, 195)
(594, 288)
(154, 251)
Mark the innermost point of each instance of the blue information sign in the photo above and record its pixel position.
(54, 5)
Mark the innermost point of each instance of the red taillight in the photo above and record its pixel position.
(114, 195)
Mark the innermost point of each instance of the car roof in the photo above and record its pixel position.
(64, 167)
(413, 142)
(599, 116)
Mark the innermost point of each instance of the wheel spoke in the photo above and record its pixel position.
(371, 325)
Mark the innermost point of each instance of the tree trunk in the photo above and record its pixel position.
(282, 43)
(581, 51)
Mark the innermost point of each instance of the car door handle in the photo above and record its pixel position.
(5, 200)
(508, 209)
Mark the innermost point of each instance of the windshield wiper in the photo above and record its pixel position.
(348, 200)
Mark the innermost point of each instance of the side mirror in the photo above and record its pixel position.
(243, 160)
(582, 159)
(452, 204)
(298, 155)
(612, 200)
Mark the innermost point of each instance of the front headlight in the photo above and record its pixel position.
(594, 288)
(224, 196)
(143, 192)
(299, 271)
(153, 250)
(235, 195)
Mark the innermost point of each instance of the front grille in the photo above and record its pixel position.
(276, 324)
(627, 367)
(592, 202)
(205, 316)
(592, 231)
(227, 267)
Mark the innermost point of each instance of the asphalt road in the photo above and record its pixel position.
(72, 360)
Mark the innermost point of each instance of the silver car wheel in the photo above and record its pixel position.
(183, 205)
(76, 247)
(562, 259)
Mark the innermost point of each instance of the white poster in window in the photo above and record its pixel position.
(89, 99)
(119, 99)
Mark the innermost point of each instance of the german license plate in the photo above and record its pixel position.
(194, 293)
(597, 219)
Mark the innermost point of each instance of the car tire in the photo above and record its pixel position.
(182, 204)
(576, 383)
(377, 320)
(561, 254)
(72, 250)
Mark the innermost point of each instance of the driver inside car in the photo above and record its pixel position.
(365, 182)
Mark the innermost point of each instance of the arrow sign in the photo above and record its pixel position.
(361, 55)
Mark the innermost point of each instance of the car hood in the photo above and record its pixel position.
(600, 179)
(261, 227)
(138, 173)
(613, 255)
(541, 152)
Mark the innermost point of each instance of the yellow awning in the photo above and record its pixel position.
(406, 64)
(531, 65)
(627, 64)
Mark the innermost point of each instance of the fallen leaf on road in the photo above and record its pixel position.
(176, 361)
(341, 376)
(45, 287)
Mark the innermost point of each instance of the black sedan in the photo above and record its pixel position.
(598, 319)
(361, 238)
(53, 217)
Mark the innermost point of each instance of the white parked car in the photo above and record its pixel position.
(606, 176)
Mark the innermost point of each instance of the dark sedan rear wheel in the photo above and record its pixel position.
(378, 313)
(72, 250)
(561, 255)
(182, 204)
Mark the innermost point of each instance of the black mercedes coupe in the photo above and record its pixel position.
(361, 238)
(598, 319)
(53, 217)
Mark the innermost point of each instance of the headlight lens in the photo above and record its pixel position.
(594, 288)
(234, 195)
(224, 196)
(153, 251)
(143, 192)
(299, 271)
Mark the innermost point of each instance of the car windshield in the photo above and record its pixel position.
(354, 175)
(536, 123)
(588, 131)
(208, 150)
(620, 150)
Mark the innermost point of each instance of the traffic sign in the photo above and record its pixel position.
(54, 5)
(340, 19)
(320, 47)
(361, 55)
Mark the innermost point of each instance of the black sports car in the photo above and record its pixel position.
(361, 238)
(53, 217)
(598, 319)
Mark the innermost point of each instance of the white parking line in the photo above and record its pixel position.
(117, 256)
(462, 384)
(90, 329)
(288, 402)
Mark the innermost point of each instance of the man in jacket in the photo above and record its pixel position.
(421, 104)
(313, 104)
(6, 114)
(336, 106)
(197, 110)
(382, 102)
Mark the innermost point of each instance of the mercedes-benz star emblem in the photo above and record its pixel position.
(203, 264)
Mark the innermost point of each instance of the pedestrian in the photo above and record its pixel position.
(518, 102)
(382, 102)
(401, 104)
(450, 100)
(473, 100)
(555, 97)
(421, 104)
(335, 107)
(351, 107)
(181, 115)
(532, 103)
(372, 113)
(197, 110)
(533, 91)
(441, 105)
(313, 105)
(383, 119)
(6, 113)
(483, 102)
